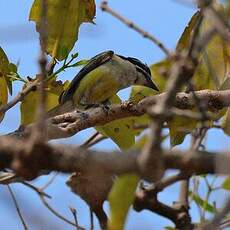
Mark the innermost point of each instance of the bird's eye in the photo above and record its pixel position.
(140, 70)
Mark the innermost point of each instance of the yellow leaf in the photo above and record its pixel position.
(3, 94)
(226, 119)
(225, 113)
(226, 184)
(120, 131)
(179, 127)
(30, 103)
(211, 73)
(226, 122)
(213, 67)
(4, 71)
(184, 40)
(63, 21)
(122, 193)
(120, 199)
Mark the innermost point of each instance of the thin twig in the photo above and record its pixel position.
(55, 212)
(38, 190)
(225, 224)
(17, 207)
(74, 212)
(164, 183)
(90, 139)
(195, 191)
(49, 182)
(30, 87)
(184, 189)
(198, 139)
(91, 218)
(184, 194)
(96, 140)
(219, 216)
(42, 196)
(41, 113)
(145, 34)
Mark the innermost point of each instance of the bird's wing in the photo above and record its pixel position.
(92, 64)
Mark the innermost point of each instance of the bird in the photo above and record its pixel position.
(101, 78)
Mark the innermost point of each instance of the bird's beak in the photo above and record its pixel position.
(150, 83)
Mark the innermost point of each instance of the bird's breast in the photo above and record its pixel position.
(96, 87)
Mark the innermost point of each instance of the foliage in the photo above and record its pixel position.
(64, 19)
(30, 103)
(212, 72)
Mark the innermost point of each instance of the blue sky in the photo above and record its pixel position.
(165, 19)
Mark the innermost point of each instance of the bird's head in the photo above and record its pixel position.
(143, 76)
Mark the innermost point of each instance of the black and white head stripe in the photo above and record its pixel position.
(138, 63)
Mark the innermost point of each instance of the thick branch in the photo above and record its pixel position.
(65, 158)
(174, 213)
(69, 124)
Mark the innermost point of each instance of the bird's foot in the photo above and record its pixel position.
(127, 104)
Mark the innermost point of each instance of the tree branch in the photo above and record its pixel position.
(68, 124)
(30, 87)
(65, 158)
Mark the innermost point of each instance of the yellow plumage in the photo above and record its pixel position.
(102, 78)
(96, 87)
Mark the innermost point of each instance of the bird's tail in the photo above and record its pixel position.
(61, 108)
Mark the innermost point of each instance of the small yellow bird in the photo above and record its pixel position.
(103, 76)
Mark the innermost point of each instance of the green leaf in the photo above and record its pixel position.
(63, 21)
(12, 76)
(226, 184)
(30, 103)
(8, 71)
(73, 56)
(202, 203)
(13, 68)
(79, 63)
